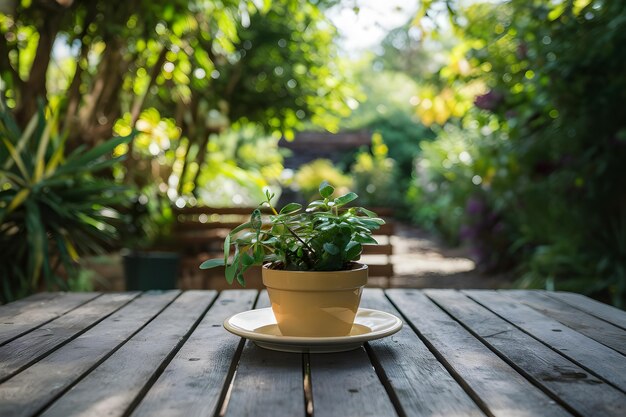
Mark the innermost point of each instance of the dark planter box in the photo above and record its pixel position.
(151, 270)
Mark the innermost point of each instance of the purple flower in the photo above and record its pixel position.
(474, 206)
(489, 101)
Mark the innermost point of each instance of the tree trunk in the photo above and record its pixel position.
(102, 106)
(130, 162)
(73, 92)
(35, 87)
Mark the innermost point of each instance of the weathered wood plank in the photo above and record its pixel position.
(112, 388)
(599, 330)
(605, 312)
(569, 384)
(586, 352)
(346, 384)
(194, 381)
(26, 319)
(18, 306)
(490, 380)
(28, 392)
(267, 383)
(25, 350)
(418, 381)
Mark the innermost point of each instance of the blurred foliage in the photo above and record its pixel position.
(374, 176)
(546, 136)
(53, 210)
(442, 186)
(391, 119)
(189, 77)
(179, 72)
(308, 178)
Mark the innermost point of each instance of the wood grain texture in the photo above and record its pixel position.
(31, 390)
(32, 301)
(267, 383)
(193, 382)
(23, 351)
(490, 380)
(605, 312)
(586, 352)
(593, 327)
(346, 384)
(112, 387)
(421, 384)
(568, 383)
(19, 320)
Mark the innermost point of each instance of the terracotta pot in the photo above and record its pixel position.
(315, 303)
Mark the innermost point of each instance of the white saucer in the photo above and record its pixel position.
(260, 327)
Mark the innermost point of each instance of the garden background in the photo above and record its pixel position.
(498, 125)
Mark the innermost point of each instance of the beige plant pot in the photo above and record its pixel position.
(315, 303)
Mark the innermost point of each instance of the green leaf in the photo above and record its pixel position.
(16, 158)
(231, 270)
(40, 160)
(226, 248)
(314, 205)
(93, 154)
(240, 279)
(361, 238)
(270, 241)
(290, 208)
(247, 260)
(212, 263)
(372, 223)
(255, 220)
(345, 199)
(353, 250)
(331, 248)
(367, 212)
(326, 190)
(259, 254)
(240, 228)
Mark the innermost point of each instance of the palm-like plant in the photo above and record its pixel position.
(52, 208)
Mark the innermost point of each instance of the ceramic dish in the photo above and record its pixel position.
(260, 327)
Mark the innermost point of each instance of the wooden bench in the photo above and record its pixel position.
(199, 234)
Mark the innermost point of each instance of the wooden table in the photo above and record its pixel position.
(470, 353)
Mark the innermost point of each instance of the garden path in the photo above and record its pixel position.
(423, 261)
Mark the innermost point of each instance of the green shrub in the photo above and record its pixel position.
(310, 175)
(375, 176)
(552, 140)
(53, 209)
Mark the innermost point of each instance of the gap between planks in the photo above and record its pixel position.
(15, 394)
(560, 378)
(491, 382)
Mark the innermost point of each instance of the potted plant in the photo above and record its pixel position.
(309, 261)
(150, 261)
